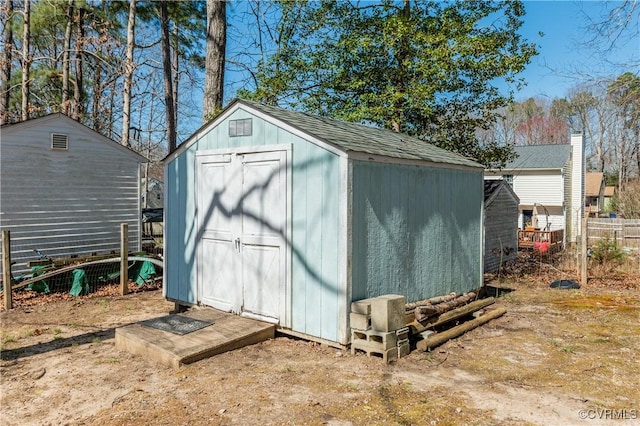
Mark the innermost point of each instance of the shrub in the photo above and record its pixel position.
(607, 251)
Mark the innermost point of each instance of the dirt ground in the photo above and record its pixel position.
(567, 357)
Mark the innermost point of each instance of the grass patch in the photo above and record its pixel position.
(8, 338)
(573, 341)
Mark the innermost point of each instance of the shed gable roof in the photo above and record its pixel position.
(492, 188)
(349, 137)
(540, 157)
(41, 121)
(593, 184)
(609, 191)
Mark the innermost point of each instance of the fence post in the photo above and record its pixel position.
(6, 269)
(583, 252)
(124, 258)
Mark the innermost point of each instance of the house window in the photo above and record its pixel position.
(241, 127)
(59, 141)
(508, 179)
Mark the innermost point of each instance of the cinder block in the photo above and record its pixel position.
(403, 333)
(387, 355)
(387, 312)
(378, 340)
(384, 339)
(361, 307)
(404, 348)
(359, 335)
(360, 321)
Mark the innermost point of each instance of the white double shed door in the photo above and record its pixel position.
(243, 231)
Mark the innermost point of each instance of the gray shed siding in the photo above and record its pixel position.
(417, 231)
(501, 229)
(315, 222)
(66, 202)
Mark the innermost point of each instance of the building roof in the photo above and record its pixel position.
(349, 137)
(493, 186)
(609, 191)
(552, 156)
(592, 184)
(16, 127)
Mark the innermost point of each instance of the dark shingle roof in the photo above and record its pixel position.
(493, 186)
(363, 139)
(490, 186)
(540, 157)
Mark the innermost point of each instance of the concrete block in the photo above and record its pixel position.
(404, 348)
(387, 312)
(387, 355)
(372, 339)
(360, 321)
(359, 335)
(361, 307)
(403, 333)
(384, 339)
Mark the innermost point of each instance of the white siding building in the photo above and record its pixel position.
(549, 180)
(65, 189)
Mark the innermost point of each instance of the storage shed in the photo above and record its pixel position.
(500, 224)
(288, 217)
(65, 189)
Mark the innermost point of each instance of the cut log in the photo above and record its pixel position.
(424, 312)
(419, 327)
(431, 301)
(440, 338)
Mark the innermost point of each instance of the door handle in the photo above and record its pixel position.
(237, 243)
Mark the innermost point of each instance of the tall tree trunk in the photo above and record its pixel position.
(26, 60)
(401, 55)
(5, 69)
(128, 74)
(66, 60)
(97, 93)
(176, 71)
(78, 100)
(166, 66)
(214, 65)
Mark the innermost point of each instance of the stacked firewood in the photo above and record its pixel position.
(438, 311)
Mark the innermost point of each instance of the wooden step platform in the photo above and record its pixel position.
(228, 332)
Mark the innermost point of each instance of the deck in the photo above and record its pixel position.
(226, 333)
(532, 238)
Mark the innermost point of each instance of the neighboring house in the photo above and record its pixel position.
(288, 217)
(594, 194)
(65, 189)
(500, 224)
(152, 193)
(609, 193)
(549, 180)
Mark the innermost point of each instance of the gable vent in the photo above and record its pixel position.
(59, 141)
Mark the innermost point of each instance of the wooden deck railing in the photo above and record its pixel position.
(527, 239)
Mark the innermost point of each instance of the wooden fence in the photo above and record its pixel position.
(625, 232)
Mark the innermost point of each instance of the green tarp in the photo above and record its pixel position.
(39, 286)
(80, 283)
(139, 272)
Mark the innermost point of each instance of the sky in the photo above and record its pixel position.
(563, 60)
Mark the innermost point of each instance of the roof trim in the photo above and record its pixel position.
(502, 186)
(234, 106)
(377, 158)
(16, 127)
(290, 127)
